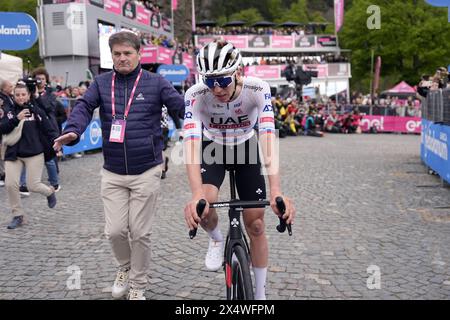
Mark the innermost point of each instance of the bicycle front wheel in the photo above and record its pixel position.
(241, 285)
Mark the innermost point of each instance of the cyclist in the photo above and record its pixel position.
(224, 109)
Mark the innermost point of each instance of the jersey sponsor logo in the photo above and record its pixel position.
(189, 103)
(188, 115)
(237, 105)
(230, 126)
(268, 108)
(267, 96)
(218, 106)
(200, 92)
(230, 122)
(238, 111)
(189, 126)
(266, 119)
(253, 87)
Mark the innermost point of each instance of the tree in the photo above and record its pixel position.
(27, 6)
(298, 11)
(250, 15)
(412, 40)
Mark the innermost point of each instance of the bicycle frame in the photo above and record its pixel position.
(236, 237)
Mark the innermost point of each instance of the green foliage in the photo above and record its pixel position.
(28, 6)
(412, 41)
(250, 15)
(298, 11)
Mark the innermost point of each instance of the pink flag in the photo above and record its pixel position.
(338, 14)
(193, 16)
(376, 83)
(174, 4)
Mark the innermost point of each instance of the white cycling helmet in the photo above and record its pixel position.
(218, 58)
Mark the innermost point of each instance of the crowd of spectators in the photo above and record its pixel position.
(293, 118)
(243, 30)
(322, 59)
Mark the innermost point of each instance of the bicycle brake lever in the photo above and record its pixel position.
(201, 204)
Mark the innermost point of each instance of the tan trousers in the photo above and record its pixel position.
(13, 169)
(129, 202)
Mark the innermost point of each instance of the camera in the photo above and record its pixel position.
(31, 84)
(28, 106)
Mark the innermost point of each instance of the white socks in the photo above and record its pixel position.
(215, 234)
(260, 283)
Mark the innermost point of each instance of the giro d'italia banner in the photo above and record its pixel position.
(90, 139)
(274, 41)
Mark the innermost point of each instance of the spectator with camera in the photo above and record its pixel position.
(55, 112)
(6, 101)
(32, 149)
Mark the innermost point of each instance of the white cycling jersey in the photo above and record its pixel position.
(229, 123)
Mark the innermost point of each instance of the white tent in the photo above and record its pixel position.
(11, 68)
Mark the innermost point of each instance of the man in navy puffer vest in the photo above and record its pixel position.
(130, 101)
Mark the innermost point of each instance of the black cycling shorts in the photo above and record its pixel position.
(216, 157)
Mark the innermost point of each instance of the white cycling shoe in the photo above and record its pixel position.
(214, 256)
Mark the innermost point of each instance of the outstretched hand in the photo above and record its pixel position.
(64, 139)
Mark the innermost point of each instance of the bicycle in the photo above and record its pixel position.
(238, 279)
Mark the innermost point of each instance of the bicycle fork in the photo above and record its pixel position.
(235, 237)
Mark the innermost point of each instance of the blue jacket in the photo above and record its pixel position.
(142, 147)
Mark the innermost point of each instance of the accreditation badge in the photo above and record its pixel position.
(117, 131)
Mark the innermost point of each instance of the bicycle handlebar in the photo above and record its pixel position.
(200, 207)
(244, 204)
(282, 207)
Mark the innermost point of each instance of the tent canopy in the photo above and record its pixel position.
(235, 23)
(11, 68)
(401, 89)
(263, 24)
(290, 24)
(206, 23)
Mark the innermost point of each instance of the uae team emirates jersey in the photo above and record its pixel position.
(229, 123)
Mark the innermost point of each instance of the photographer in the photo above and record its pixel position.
(56, 114)
(33, 148)
(6, 101)
(424, 86)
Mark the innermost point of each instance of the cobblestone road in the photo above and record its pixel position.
(362, 212)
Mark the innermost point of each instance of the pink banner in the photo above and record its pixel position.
(114, 6)
(263, 72)
(239, 42)
(322, 69)
(283, 42)
(392, 124)
(149, 54)
(338, 14)
(188, 61)
(165, 55)
(143, 15)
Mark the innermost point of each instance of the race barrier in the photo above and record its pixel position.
(392, 124)
(435, 146)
